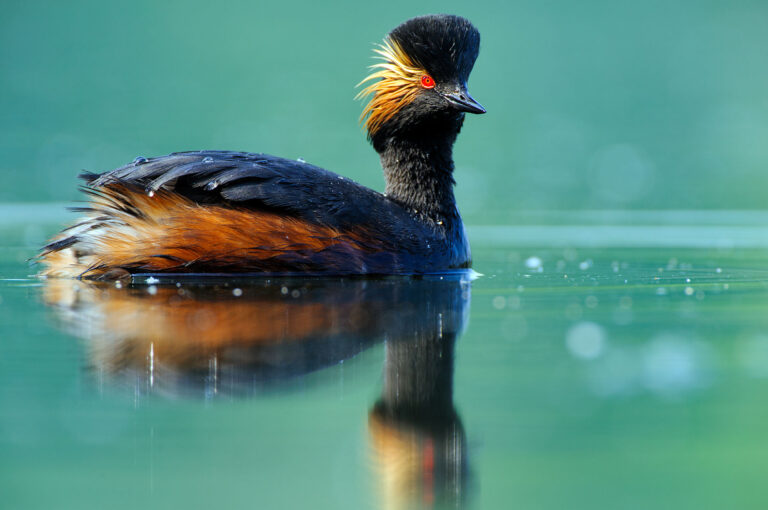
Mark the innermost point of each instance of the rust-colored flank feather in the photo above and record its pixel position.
(164, 231)
(397, 85)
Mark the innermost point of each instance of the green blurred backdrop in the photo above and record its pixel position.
(592, 105)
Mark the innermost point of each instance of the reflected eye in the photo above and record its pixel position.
(427, 82)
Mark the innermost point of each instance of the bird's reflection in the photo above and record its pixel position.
(236, 336)
(416, 433)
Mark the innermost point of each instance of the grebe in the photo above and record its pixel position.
(236, 212)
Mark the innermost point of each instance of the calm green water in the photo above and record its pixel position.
(594, 364)
(608, 357)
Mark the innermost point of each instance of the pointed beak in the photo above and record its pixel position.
(462, 101)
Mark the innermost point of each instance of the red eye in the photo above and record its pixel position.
(427, 82)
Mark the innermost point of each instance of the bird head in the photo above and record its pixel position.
(422, 76)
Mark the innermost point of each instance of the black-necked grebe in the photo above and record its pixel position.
(236, 212)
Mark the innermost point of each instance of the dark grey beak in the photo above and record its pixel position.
(462, 101)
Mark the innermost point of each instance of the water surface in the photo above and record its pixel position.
(599, 361)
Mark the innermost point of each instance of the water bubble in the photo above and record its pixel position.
(533, 262)
(237, 292)
(673, 364)
(283, 290)
(140, 160)
(585, 340)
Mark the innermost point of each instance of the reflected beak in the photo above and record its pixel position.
(462, 101)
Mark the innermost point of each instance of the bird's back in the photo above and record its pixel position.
(220, 211)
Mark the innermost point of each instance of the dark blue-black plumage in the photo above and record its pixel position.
(264, 183)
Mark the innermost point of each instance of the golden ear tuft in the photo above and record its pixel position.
(398, 78)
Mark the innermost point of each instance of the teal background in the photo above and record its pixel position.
(597, 104)
(620, 138)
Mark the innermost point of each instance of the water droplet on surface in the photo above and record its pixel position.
(300, 160)
(237, 292)
(689, 291)
(533, 262)
(151, 193)
(207, 159)
(140, 160)
(283, 290)
(211, 185)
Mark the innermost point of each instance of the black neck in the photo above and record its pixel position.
(419, 169)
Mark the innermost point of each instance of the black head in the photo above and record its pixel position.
(443, 45)
(423, 78)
